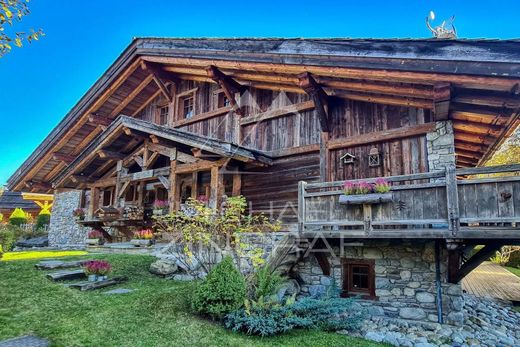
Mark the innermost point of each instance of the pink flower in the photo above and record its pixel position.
(381, 186)
(95, 234)
(363, 188)
(349, 188)
(97, 267)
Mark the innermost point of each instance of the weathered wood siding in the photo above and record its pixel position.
(274, 190)
(400, 157)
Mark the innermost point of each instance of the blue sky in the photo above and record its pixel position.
(41, 82)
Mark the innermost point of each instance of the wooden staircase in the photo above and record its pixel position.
(287, 253)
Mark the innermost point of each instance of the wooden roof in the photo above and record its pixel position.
(92, 162)
(481, 77)
(12, 200)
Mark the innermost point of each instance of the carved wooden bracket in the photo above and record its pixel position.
(320, 98)
(228, 84)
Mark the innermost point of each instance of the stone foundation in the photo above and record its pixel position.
(64, 232)
(404, 279)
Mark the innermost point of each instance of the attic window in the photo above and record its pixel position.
(162, 115)
(187, 106)
(223, 100)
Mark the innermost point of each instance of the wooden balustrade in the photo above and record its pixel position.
(465, 203)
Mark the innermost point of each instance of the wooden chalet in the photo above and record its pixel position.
(179, 118)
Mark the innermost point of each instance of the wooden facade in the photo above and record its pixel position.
(173, 119)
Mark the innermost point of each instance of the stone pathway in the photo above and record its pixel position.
(492, 281)
(25, 341)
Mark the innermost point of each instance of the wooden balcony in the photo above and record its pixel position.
(474, 203)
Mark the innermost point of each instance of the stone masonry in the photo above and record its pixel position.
(441, 146)
(64, 232)
(405, 280)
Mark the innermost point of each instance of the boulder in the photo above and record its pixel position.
(163, 267)
(288, 288)
(424, 297)
(412, 313)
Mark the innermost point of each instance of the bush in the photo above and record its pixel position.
(222, 291)
(43, 221)
(9, 234)
(18, 217)
(264, 283)
(330, 314)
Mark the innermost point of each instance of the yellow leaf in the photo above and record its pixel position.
(18, 42)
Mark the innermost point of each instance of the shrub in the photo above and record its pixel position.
(222, 291)
(330, 314)
(8, 236)
(43, 220)
(264, 283)
(18, 217)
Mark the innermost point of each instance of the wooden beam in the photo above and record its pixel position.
(279, 112)
(98, 120)
(229, 85)
(163, 88)
(202, 116)
(194, 185)
(38, 185)
(128, 99)
(106, 154)
(320, 98)
(147, 102)
(216, 182)
(81, 179)
(382, 136)
(323, 262)
(165, 182)
(237, 184)
(172, 192)
(65, 158)
(482, 255)
(200, 165)
(441, 100)
(139, 160)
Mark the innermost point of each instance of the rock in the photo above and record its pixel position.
(396, 291)
(376, 311)
(317, 291)
(118, 291)
(414, 284)
(182, 277)
(407, 263)
(390, 339)
(382, 282)
(454, 289)
(457, 303)
(372, 253)
(409, 292)
(405, 275)
(412, 313)
(42, 241)
(163, 267)
(373, 336)
(456, 318)
(288, 288)
(424, 297)
(425, 344)
(382, 292)
(326, 281)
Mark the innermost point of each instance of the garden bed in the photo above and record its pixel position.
(154, 314)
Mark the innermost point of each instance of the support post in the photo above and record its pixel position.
(194, 184)
(452, 200)
(216, 182)
(237, 184)
(172, 192)
(301, 206)
(94, 199)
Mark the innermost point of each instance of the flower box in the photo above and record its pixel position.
(362, 199)
(158, 212)
(141, 242)
(94, 242)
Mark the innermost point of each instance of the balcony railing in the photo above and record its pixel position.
(465, 203)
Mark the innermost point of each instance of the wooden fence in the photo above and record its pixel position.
(442, 204)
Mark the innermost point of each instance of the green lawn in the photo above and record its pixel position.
(156, 314)
(514, 270)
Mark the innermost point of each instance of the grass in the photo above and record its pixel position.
(513, 270)
(39, 255)
(157, 313)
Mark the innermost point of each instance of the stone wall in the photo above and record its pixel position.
(405, 279)
(441, 146)
(64, 232)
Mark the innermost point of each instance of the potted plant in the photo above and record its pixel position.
(142, 238)
(159, 207)
(356, 193)
(79, 214)
(95, 238)
(97, 270)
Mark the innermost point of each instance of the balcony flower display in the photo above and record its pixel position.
(79, 214)
(364, 192)
(97, 270)
(381, 186)
(95, 237)
(160, 207)
(142, 237)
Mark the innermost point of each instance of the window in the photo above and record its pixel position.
(107, 196)
(223, 100)
(131, 193)
(187, 105)
(358, 278)
(162, 115)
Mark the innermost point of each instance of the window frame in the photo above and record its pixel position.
(179, 109)
(158, 114)
(346, 268)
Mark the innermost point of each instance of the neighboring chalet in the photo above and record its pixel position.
(284, 122)
(31, 203)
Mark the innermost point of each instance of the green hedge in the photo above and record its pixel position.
(18, 217)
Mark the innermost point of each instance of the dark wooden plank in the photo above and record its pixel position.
(58, 264)
(67, 275)
(83, 286)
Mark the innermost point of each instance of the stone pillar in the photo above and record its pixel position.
(64, 232)
(441, 146)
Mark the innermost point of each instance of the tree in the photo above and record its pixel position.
(12, 11)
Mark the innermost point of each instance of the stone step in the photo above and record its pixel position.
(67, 275)
(83, 286)
(59, 264)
